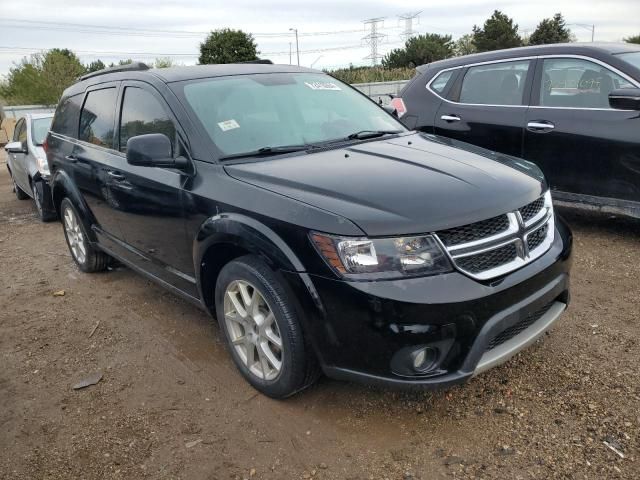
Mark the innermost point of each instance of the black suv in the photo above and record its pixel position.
(570, 108)
(320, 232)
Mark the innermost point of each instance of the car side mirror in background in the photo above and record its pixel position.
(625, 99)
(15, 147)
(153, 150)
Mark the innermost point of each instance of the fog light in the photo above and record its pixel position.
(424, 359)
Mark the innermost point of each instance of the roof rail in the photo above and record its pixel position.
(129, 67)
(259, 60)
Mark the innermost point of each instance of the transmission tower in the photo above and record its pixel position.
(374, 38)
(408, 19)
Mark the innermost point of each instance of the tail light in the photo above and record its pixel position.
(45, 145)
(399, 105)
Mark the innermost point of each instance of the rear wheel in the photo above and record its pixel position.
(86, 257)
(262, 330)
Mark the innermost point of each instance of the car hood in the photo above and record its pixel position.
(409, 184)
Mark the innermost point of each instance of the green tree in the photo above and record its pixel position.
(633, 39)
(95, 66)
(419, 50)
(228, 46)
(41, 78)
(464, 45)
(60, 69)
(498, 32)
(163, 62)
(551, 30)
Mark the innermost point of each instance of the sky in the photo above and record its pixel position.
(330, 31)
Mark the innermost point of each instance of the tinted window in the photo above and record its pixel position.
(247, 112)
(441, 81)
(39, 129)
(97, 117)
(142, 113)
(495, 84)
(575, 83)
(65, 120)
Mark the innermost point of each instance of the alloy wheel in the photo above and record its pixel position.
(253, 330)
(75, 237)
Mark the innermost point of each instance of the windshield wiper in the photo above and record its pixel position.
(364, 134)
(266, 151)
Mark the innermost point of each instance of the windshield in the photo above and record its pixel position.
(39, 129)
(250, 112)
(633, 58)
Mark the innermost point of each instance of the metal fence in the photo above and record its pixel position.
(380, 91)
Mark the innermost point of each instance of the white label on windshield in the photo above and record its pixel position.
(322, 86)
(228, 125)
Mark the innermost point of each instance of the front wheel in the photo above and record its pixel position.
(86, 256)
(38, 189)
(262, 330)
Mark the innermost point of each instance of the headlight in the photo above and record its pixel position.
(43, 166)
(366, 258)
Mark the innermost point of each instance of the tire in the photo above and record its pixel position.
(38, 198)
(87, 258)
(20, 194)
(255, 333)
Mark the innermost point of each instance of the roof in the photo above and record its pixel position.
(594, 49)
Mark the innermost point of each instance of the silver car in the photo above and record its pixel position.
(27, 162)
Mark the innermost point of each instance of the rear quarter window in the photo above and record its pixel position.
(65, 120)
(440, 82)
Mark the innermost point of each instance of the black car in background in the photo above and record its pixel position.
(318, 230)
(573, 109)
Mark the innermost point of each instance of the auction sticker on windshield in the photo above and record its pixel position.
(228, 125)
(322, 86)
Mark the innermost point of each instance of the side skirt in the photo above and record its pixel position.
(150, 276)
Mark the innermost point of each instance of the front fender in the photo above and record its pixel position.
(62, 186)
(249, 234)
(254, 237)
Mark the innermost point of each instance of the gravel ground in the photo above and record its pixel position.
(171, 404)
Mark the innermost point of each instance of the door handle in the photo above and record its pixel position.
(116, 176)
(540, 126)
(71, 158)
(450, 118)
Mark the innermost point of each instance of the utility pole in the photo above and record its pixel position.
(586, 26)
(289, 53)
(408, 19)
(373, 38)
(297, 46)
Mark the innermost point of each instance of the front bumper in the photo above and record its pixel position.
(359, 328)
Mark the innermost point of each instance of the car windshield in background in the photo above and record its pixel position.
(633, 58)
(39, 129)
(263, 111)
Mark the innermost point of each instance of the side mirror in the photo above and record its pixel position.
(15, 147)
(153, 150)
(392, 110)
(625, 99)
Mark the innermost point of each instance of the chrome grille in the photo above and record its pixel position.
(530, 210)
(494, 247)
(474, 231)
(486, 261)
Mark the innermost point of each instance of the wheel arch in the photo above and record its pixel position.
(62, 186)
(225, 237)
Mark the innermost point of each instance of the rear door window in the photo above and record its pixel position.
(577, 83)
(65, 120)
(143, 113)
(495, 84)
(97, 117)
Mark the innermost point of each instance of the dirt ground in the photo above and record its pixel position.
(171, 404)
